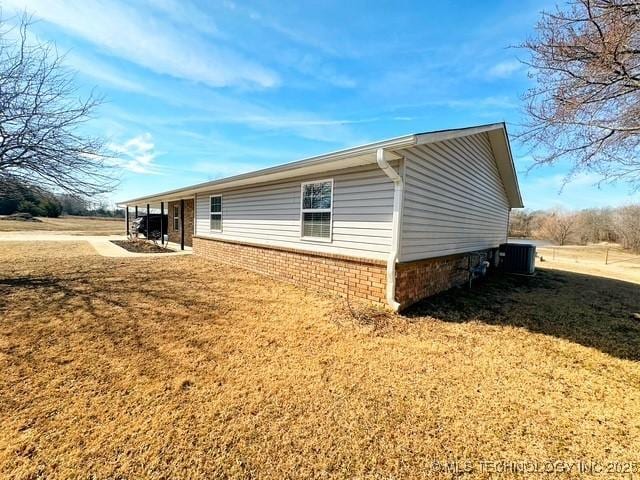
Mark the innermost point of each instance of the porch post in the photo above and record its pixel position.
(148, 222)
(161, 223)
(182, 224)
(126, 219)
(136, 213)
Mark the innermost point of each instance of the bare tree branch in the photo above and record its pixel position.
(585, 106)
(41, 142)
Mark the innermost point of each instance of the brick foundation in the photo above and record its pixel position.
(424, 278)
(174, 234)
(361, 278)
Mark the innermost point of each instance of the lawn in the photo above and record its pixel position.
(175, 367)
(68, 224)
(605, 260)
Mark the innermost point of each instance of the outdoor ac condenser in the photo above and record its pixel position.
(518, 258)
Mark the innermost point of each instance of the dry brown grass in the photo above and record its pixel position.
(620, 264)
(181, 368)
(68, 224)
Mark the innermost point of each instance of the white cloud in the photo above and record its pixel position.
(212, 109)
(218, 169)
(187, 14)
(149, 41)
(137, 154)
(490, 102)
(102, 72)
(505, 69)
(325, 42)
(311, 65)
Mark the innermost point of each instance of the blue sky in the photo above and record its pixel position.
(199, 90)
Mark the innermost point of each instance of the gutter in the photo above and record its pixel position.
(318, 160)
(393, 143)
(398, 194)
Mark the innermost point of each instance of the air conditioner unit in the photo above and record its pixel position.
(518, 258)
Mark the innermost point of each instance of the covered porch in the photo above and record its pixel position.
(169, 222)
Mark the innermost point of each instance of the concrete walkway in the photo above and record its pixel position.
(101, 243)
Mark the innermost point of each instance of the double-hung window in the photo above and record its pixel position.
(317, 204)
(176, 217)
(215, 213)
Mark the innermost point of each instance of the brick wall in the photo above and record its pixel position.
(364, 279)
(174, 234)
(424, 278)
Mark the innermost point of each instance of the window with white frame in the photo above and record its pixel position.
(317, 203)
(176, 217)
(215, 212)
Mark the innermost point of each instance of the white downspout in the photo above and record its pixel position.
(398, 193)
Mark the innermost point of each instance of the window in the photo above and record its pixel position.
(176, 217)
(317, 200)
(215, 212)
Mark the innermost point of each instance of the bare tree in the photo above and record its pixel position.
(558, 226)
(585, 107)
(40, 121)
(521, 223)
(627, 224)
(595, 225)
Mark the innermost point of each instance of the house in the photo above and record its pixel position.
(391, 222)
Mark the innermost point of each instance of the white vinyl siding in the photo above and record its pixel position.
(362, 209)
(454, 199)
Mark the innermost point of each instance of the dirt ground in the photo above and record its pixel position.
(68, 224)
(141, 246)
(175, 367)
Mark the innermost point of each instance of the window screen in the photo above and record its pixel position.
(176, 217)
(316, 209)
(215, 212)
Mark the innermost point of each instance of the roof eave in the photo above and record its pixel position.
(355, 156)
(361, 155)
(443, 135)
(501, 147)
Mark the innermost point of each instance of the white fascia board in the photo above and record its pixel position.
(506, 167)
(433, 137)
(352, 157)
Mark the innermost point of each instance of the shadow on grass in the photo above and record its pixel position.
(592, 311)
(91, 293)
(114, 306)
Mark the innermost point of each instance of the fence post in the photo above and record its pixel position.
(606, 257)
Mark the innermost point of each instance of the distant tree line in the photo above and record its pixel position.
(17, 197)
(593, 225)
